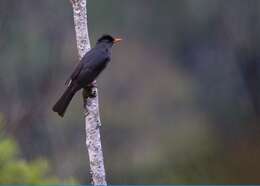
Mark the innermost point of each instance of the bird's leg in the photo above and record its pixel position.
(93, 92)
(89, 92)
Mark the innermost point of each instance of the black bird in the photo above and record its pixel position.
(90, 66)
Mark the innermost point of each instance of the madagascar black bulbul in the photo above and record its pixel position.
(88, 69)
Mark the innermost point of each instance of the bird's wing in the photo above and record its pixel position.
(74, 74)
(96, 60)
(79, 67)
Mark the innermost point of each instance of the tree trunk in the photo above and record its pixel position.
(92, 119)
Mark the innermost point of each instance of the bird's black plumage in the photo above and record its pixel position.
(106, 37)
(87, 70)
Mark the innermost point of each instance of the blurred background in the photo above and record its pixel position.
(179, 103)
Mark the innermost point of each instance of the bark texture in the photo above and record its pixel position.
(91, 106)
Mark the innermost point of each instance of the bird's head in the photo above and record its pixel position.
(108, 39)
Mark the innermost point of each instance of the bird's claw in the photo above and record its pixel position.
(89, 92)
(93, 94)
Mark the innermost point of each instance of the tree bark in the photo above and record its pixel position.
(91, 105)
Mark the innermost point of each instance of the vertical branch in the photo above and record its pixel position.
(92, 118)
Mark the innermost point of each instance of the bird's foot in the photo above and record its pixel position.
(92, 91)
(89, 91)
(93, 94)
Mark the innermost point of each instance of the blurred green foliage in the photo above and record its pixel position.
(16, 170)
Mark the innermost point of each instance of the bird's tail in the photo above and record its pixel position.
(62, 104)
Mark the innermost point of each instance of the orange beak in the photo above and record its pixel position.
(116, 40)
